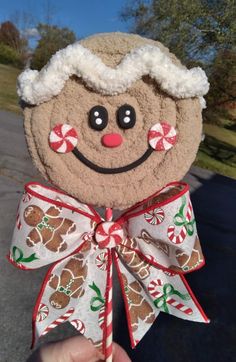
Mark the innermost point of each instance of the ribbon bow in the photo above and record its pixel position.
(83, 247)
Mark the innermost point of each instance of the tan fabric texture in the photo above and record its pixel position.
(72, 106)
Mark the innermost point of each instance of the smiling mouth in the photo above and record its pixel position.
(105, 170)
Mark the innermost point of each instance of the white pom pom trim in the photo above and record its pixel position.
(37, 87)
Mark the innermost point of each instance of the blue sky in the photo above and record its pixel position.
(83, 17)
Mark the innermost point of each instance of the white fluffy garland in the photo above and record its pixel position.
(37, 87)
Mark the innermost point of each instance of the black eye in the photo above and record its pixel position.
(98, 118)
(126, 116)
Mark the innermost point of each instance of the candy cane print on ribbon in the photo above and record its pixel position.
(184, 221)
(18, 221)
(163, 298)
(152, 287)
(98, 304)
(58, 321)
(78, 325)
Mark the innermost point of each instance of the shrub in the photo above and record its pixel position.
(9, 55)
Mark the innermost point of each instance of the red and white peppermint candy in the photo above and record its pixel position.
(79, 325)
(162, 136)
(63, 138)
(155, 216)
(42, 312)
(109, 234)
(101, 260)
(26, 197)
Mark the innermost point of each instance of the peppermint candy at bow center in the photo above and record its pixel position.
(109, 234)
(162, 136)
(63, 138)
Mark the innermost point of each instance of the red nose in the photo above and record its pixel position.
(112, 140)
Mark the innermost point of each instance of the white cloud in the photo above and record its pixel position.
(31, 33)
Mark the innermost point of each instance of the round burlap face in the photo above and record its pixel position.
(151, 105)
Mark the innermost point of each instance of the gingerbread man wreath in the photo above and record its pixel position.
(111, 120)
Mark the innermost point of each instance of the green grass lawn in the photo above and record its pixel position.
(220, 133)
(205, 161)
(8, 96)
(218, 151)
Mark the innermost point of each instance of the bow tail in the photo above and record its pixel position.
(168, 289)
(170, 293)
(140, 311)
(156, 290)
(78, 290)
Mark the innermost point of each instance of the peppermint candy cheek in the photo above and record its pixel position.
(63, 138)
(162, 136)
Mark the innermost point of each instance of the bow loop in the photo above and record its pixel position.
(49, 226)
(163, 230)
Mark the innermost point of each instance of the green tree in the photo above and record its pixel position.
(52, 38)
(9, 55)
(223, 79)
(221, 99)
(13, 46)
(10, 35)
(194, 30)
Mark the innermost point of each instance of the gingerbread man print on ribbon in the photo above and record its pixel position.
(70, 283)
(49, 228)
(139, 307)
